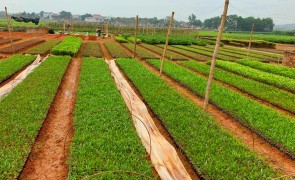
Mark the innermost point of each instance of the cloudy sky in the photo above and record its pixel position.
(282, 11)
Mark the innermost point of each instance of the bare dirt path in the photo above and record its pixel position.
(273, 156)
(49, 155)
(105, 52)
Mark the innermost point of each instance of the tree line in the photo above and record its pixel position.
(235, 23)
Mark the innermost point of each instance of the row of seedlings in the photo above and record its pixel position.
(270, 68)
(92, 49)
(190, 54)
(9, 66)
(105, 141)
(266, 122)
(268, 78)
(69, 46)
(278, 97)
(212, 150)
(116, 50)
(23, 111)
(140, 52)
(43, 48)
(169, 54)
(20, 46)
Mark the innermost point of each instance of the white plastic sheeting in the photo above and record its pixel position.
(4, 90)
(163, 155)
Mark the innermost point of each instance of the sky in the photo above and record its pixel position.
(282, 11)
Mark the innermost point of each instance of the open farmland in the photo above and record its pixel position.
(79, 105)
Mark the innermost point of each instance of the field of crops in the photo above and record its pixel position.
(43, 48)
(69, 46)
(244, 36)
(247, 132)
(20, 46)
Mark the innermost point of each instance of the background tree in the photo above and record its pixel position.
(84, 16)
(194, 21)
(65, 15)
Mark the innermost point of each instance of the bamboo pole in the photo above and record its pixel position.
(64, 27)
(135, 36)
(9, 30)
(166, 45)
(251, 36)
(213, 63)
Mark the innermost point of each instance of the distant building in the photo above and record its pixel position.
(95, 18)
(76, 16)
(48, 15)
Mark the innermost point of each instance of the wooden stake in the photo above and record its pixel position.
(9, 30)
(166, 45)
(107, 29)
(64, 27)
(250, 40)
(213, 63)
(135, 36)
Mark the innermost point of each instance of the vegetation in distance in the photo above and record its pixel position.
(246, 36)
(23, 111)
(69, 46)
(263, 91)
(92, 49)
(212, 150)
(11, 65)
(116, 50)
(43, 48)
(270, 68)
(105, 138)
(174, 40)
(269, 123)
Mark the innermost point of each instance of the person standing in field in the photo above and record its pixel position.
(98, 31)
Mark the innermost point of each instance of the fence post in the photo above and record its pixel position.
(166, 45)
(213, 63)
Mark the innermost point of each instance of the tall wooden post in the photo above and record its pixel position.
(9, 29)
(166, 45)
(251, 36)
(213, 63)
(64, 27)
(107, 29)
(135, 36)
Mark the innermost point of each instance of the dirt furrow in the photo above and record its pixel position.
(105, 52)
(49, 155)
